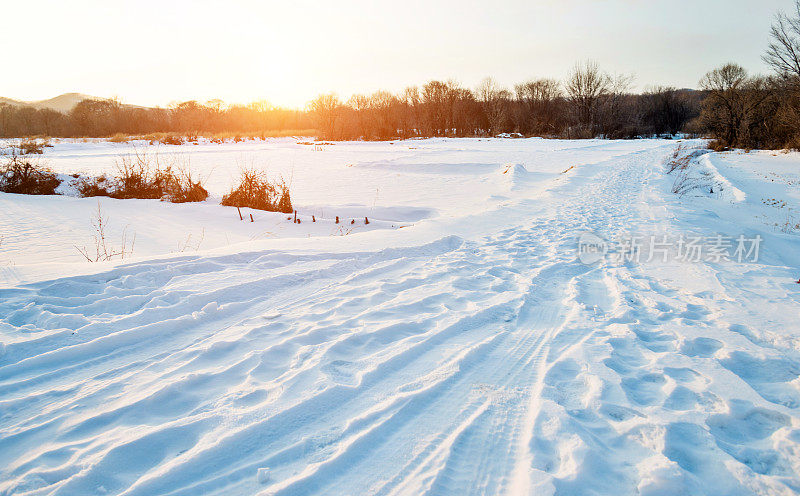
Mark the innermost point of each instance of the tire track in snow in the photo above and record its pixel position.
(442, 362)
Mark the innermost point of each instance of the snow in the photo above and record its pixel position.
(453, 345)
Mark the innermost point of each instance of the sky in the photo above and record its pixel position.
(158, 52)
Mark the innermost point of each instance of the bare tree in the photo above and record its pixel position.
(325, 110)
(435, 99)
(783, 55)
(411, 111)
(466, 111)
(665, 110)
(494, 101)
(735, 107)
(586, 87)
(540, 90)
(617, 110)
(537, 110)
(360, 104)
(783, 52)
(381, 104)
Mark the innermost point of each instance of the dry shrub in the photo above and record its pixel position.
(94, 186)
(143, 176)
(679, 163)
(683, 157)
(240, 136)
(175, 138)
(683, 184)
(164, 138)
(171, 139)
(718, 146)
(22, 176)
(255, 190)
(793, 143)
(31, 147)
(184, 187)
(138, 177)
(151, 137)
(26, 147)
(279, 133)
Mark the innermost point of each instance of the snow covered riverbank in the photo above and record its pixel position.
(467, 352)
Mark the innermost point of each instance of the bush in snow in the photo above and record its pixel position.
(21, 175)
(31, 146)
(94, 186)
(143, 176)
(26, 147)
(255, 190)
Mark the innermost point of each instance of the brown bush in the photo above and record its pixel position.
(157, 138)
(793, 143)
(30, 147)
(172, 139)
(94, 186)
(255, 190)
(718, 146)
(143, 176)
(22, 176)
(181, 187)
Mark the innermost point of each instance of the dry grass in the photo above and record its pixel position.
(166, 138)
(222, 137)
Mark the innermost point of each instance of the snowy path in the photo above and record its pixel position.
(490, 365)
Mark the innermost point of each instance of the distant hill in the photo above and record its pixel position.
(9, 101)
(61, 103)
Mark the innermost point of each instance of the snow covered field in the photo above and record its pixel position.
(455, 345)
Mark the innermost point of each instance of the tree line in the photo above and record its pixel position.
(733, 107)
(590, 103)
(756, 111)
(105, 118)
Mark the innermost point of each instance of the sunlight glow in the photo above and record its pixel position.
(288, 52)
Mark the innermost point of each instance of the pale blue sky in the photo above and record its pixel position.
(154, 52)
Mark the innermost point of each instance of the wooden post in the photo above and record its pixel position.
(366, 221)
(337, 219)
(240, 213)
(251, 218)
(313, 219)
(295, 216)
